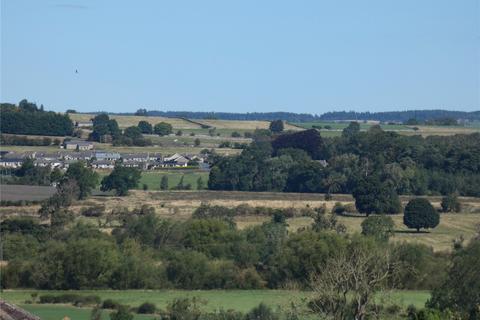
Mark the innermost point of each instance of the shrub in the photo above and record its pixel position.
(262, 312)
(110, 304)
(121, 314)
(450, 203)
(95, 211)
(380, 227)
(147, 308)
(48, 298)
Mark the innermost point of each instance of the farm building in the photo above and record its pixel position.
(176, 160)
(78, 145)
(83, 124)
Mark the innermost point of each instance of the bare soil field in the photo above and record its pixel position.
(13, 192)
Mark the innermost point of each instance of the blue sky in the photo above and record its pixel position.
(242, 56)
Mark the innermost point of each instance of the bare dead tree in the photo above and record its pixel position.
(347, 285)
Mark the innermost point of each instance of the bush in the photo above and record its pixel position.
(121, 314)
(48, 298)
(147, 308)
(450, 203)
(380, 227)
(75, 299)
(262, 312)
(87, 300)
(110, 304)
(95, 211)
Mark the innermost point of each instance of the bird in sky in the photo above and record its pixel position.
(76, 71)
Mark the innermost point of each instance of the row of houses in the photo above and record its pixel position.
(100, 159)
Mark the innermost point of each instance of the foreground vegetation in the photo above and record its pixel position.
(238, 300)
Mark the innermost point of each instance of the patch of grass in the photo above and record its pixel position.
(57, 312)
(342, 125)
(240, 300)
(152, 178)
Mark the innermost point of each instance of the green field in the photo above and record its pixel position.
(240, 300)
(152, 178)
(58, 312)
(342, 125)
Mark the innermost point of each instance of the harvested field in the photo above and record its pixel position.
(127, 121)
(240, 124)
(13, 192)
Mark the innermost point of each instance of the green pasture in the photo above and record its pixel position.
(152, 178)
(342, 125)
(239, 300)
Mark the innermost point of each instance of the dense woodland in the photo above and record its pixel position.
(405, 164)
(28, 118)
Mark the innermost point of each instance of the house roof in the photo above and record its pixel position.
(10, 311)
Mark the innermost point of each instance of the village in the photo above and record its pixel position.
(73, 151)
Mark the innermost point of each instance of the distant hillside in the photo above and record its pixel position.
(401, 116)
(265, 116)
(395, 116)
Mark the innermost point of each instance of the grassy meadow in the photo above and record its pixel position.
(239, 300)
(337, 127)
(152, 178)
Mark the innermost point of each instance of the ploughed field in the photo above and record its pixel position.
(25, 192)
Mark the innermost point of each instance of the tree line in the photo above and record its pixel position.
(28, 118)
(354, 162)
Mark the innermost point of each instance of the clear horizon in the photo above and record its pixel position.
(313, 57)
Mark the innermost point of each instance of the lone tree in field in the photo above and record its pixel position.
(121, 180)
(373, 196)
(276, 126)
(419, 213)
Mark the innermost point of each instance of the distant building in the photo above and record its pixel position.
(83, 124)
(83, 155)
(14, 160)
(48, 163)
(47, 156)
(105, 155)
(176, 160)
(136, 157)
(78, 145)
(11, 162)
(103, 164)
